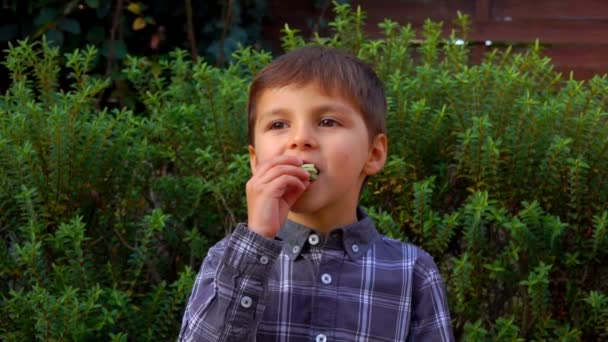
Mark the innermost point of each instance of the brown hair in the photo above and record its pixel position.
(337, 73)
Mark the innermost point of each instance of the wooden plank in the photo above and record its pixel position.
(404, 11)
(482, 10)
(554, 9)
(574, 33)
(584, 60)
(503, 28)
(547, 31)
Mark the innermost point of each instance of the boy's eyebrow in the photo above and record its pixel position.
(274, 112)
(326, 107)
(333, 107)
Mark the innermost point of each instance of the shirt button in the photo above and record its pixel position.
(263, 260)
(326, 279)
(321, 338)
(313, 239)
(355, 248)
(296, 249)
(246, 302)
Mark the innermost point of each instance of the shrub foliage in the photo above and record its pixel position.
(497, 169)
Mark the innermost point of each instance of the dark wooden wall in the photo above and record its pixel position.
(574, 33)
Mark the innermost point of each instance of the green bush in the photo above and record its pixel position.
(497, 169)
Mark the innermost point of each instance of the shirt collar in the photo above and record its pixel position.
(354, 238)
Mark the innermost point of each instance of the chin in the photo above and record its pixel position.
(306, 204)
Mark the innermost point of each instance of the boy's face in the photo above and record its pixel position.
(326, 131)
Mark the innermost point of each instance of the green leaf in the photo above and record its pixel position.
(120, 49)
(45, 16)
(96, 35)
(103, 9)
(70, 25)
(54, 37)
(92, 3)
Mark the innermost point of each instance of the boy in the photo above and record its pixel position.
(309, 265)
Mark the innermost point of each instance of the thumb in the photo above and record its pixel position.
(292, 194)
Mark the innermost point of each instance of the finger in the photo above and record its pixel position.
(292, 194)
(285, 185)
(260, 183)
(281, 170)
(279, 160)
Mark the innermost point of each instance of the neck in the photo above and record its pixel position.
(325, 221)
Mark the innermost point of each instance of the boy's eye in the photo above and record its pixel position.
(328, 123)
(277, 125)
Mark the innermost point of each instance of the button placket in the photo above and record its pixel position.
(324, 306)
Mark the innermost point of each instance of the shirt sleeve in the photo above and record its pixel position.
(228, 297)
(430, 313)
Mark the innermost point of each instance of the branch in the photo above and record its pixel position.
(190, 28)
(115, 22)
(227, 18)
(317, 25)
(123, 241)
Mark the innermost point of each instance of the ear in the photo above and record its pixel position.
(253, 159)
(377, 155)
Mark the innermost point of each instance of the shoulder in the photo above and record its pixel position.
(421, 261)
(405, 250)
(241, 239)
(218, 248)
(242, 249)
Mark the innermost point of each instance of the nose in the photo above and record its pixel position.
(303, 138)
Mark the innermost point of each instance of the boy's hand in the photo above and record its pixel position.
(274, 187)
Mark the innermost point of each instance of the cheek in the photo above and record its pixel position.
(344, 158)
(266, 149)
(345, 163)
(351, 152)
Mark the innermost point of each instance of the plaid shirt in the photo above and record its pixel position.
(356, 285)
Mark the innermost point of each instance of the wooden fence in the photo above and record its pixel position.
(574, 33)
